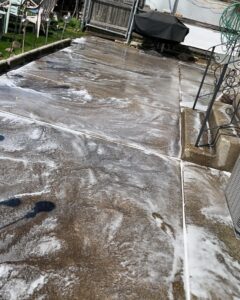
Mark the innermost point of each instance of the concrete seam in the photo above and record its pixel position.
(185, 242)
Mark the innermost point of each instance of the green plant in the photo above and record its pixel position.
(74, 23)
(31, 42)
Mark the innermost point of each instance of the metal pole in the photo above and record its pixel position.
(211, 104)
(64, 28)
(89, 12)
(24, 36)
(170, 5)
(131, 26)
(204, 76)
(46, 40)
(130, 20)
(175, 6)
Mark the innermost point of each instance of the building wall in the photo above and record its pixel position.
(208, 11)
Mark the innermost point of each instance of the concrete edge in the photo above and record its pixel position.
(21, 59)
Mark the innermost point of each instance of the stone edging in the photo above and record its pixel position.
(21, 59)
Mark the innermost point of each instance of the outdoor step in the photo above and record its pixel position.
(226, 149)
(191, 121)
(228, 140)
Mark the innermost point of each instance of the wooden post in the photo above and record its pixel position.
(84, 14)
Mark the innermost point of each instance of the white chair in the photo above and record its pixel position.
(40, 13)
(10, 7)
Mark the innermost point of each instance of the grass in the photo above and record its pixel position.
(31, 42)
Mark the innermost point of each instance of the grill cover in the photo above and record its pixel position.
(161, 26)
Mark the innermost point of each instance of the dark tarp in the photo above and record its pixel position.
(161, 26)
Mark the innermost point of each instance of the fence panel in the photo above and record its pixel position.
(111, 15)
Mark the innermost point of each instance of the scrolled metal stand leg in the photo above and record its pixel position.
(211, 104)
(204, 76)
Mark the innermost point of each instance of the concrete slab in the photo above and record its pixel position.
(94, 130)
(213, 250)
(116, 231)
(130, 98)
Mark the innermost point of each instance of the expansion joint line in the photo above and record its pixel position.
(185, 241)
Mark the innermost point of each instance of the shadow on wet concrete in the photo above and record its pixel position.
(13, 202)
(41, 206)
(1, 138)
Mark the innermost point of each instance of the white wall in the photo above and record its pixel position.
(208, 11)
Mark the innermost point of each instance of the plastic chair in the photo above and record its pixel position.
(40, 13)
(7, 8)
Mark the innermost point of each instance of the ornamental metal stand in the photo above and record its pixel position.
(226, 70)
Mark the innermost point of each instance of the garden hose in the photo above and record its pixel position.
(230, 23)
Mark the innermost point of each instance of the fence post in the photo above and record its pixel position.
(84, 14)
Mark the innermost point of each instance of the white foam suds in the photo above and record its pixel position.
(100, 150)
(81, 40)
(67, 50)
(45, 191)
(92, 177)
(189, 104)
(82, 94)
(36, 134)
(4, 270)
(217, 214)
(14, 286)
(22, 160)
(39, 282)
(6, 82)
(46, 245)
(114, 225)
(210, 266)
(47, 225)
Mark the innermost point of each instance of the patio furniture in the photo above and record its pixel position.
(40, 13)
(7, 8)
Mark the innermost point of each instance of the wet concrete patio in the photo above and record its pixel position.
(95, 130)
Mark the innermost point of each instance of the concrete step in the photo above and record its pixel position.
(226, 149)
(227, 139)
(191, 121)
